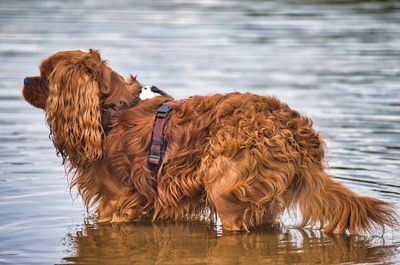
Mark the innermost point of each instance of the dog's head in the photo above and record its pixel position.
(72, 88)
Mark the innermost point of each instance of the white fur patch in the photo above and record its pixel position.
(146, 93)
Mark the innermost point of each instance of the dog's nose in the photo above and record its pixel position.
(27, 81)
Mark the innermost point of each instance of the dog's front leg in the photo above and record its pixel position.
(128, 206)
(106, 210)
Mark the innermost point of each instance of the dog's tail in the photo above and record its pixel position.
(337, 209)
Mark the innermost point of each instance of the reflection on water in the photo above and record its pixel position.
(335, 61)
(194, 243)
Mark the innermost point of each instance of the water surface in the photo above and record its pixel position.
(335, 61)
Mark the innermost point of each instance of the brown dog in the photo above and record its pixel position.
(243, 156)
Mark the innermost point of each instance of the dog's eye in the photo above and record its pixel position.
(44, 82)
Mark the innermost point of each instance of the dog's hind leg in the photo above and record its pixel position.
(229, 210)
(242, 196)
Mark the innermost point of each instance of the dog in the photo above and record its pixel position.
(245, 157)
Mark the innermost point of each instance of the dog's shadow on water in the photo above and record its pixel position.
(198, 243)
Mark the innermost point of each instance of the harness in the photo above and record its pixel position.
(109, 112)
(158, 142)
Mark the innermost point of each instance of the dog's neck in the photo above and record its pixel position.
(109, 112)
(123, 95)
(120, 90)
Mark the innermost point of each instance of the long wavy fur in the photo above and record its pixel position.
(73, 111)
(246, 157)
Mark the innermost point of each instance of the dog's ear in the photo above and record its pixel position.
(73, 108)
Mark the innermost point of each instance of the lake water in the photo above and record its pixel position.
(335, 61)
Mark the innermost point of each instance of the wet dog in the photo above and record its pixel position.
(246, 157)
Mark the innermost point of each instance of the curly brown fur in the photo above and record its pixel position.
(246, 157)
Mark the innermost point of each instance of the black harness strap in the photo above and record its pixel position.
(158, 142)
(108, 113)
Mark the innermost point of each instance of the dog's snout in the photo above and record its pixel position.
(27, 81)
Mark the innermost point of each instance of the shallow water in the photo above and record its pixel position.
(335, 61)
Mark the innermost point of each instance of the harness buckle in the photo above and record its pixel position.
(155, 159)
(162, 112)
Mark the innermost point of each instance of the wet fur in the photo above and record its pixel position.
(246, 157)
